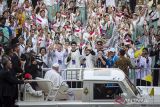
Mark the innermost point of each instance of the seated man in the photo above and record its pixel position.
(57, 80)
(29, 88)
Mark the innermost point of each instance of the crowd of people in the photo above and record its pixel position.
(36, 34)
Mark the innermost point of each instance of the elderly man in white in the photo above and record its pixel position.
(57, 80)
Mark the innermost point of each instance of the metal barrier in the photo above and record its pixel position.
(68, 74)
(73, 77)
(133, 76)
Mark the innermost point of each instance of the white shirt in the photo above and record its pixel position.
(131, 53)
(44, 58)
(75, 60)
(141, 73)
(85, 36)
(3, 6)
(20, 2)
(22, 49)
(34, 43)
(42, 21)
(80, 3)
(141, 22)
(59, 57)
(89, 61)
(110, 3)
(41, 41)
(48, 2)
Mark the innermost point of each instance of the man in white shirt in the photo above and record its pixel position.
(110, 3)
(144, 63)
(154, 17)
(3, 6)
(89, 58)
(81, 4)
(57, 80)
(41, 19)
(54, 76)
(58, 56)
(21, 46)
(73, 59)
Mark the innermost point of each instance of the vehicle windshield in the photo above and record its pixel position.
(104, 91)
(133, 87)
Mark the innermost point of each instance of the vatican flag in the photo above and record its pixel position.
(138, 52)
(151, 92)
(148, 78)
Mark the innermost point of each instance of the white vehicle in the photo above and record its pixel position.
(102, 87)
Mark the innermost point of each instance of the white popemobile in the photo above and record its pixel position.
(102, 87)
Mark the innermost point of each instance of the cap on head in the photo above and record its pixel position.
(112, 50)
(55, 65)
(27, 76)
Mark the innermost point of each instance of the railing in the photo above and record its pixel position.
(22, 88)
(68, 74)
(48, 89)
(141, 81)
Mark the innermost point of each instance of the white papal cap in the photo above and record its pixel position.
(55, 65)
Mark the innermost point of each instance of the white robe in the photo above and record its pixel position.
(89, 61)
(34, 43)
(75, 60)
(110, 3)
(42, 21)
(22, 49)
(57, 81)
(59, 57)
(48, 2)
(54, 77)
(142, 73)
(74, 63)
(31, 91)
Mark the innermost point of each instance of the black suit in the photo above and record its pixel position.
(8, 89)
(16, 63)
(156, 53)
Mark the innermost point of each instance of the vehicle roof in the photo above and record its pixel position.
(112, 74)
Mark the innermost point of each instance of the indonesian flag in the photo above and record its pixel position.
(38, 20)
(120, 14)
(64, 15)
(100, 29)
(32, 17)
(48, 42)
(77, 30)
(40, 40)
(91, 33)
(67, 28)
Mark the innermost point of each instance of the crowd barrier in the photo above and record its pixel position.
(147, 77)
